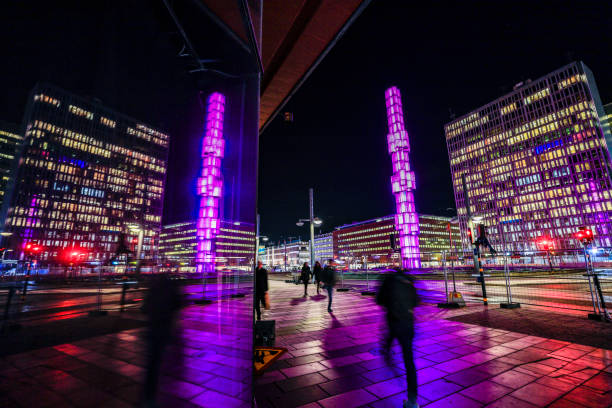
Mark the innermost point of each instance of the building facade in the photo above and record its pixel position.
(234, 246)
(86, 176)
(370, 242)
(10, 145)
(535, 163)
(286, 256)
(324, 247)
(606, 122)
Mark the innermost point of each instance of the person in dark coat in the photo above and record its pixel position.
(305, 277)
(162, 302)
(399, 297)
(261, 288)
(318, 271)
(329, 281)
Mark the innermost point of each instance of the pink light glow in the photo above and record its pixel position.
(402, 181)
(210, 183)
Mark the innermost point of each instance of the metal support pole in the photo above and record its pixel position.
(445, 277)
(588, 274)
(25, 284)
(482, 279)
(312, 251)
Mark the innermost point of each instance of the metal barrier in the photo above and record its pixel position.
(571, 279)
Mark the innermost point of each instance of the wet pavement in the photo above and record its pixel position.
(209, 364)
(335, 360)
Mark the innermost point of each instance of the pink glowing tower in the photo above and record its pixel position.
(210, 184)
(402, 181)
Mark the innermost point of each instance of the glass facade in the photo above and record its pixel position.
(536, 162)
(371, 239)
(10, 144)
(324, 247)
(234, 246)
(86, 174)
(286, 256)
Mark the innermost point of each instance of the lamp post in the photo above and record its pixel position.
(313, 222)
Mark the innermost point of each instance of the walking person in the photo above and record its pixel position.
(398, 295)
(305, 277)
(317, 272)
(329, 280)
(261, 288)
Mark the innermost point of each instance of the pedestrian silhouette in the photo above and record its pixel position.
(261, 288)
(161, 304)
(305, 277)
(329, 281)
(399, 297)
(317, 271)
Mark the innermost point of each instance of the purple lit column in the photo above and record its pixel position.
(402, 181)
(210, 184)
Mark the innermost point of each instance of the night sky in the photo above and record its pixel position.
(444, 57)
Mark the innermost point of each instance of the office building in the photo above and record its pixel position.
(286, 255)
(234, 246)
(371, 241)
(606, 122)
(86, 175)
(324, 247)
(535, 163)
(10, 144)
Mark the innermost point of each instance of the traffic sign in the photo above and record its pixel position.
(265, 356)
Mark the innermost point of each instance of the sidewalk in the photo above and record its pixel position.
(335, 360)
(209, 365)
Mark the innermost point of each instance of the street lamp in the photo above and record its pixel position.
(314, 221)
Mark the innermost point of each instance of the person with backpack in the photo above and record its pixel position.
(329, 280)
(318, 271)
(305, 277)
(398, 296)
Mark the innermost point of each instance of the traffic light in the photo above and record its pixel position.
(544, 242)
(584, 235)
(32, 248)
(469, 233)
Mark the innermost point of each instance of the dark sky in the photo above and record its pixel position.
(457, 55)
(441, 55)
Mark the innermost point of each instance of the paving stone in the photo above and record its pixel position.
(486, 391)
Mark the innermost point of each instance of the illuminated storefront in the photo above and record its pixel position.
(86, 175)
(536, 162)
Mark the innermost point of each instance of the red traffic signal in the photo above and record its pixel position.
(584, 235)
(545, 242)
(33, 248)
(469, 233)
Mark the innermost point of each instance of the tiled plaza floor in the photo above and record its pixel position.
(209, 365)
(334, 360)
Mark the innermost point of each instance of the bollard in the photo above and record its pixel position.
(123, 291)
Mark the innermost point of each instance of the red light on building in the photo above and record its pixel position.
(545, 243)
(584, 235)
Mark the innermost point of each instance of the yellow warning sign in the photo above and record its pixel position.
(264, 356)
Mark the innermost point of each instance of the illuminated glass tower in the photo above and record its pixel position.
(402, 181)
(86, 174)
(10, 144)
(210, 183)
(536, 162)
